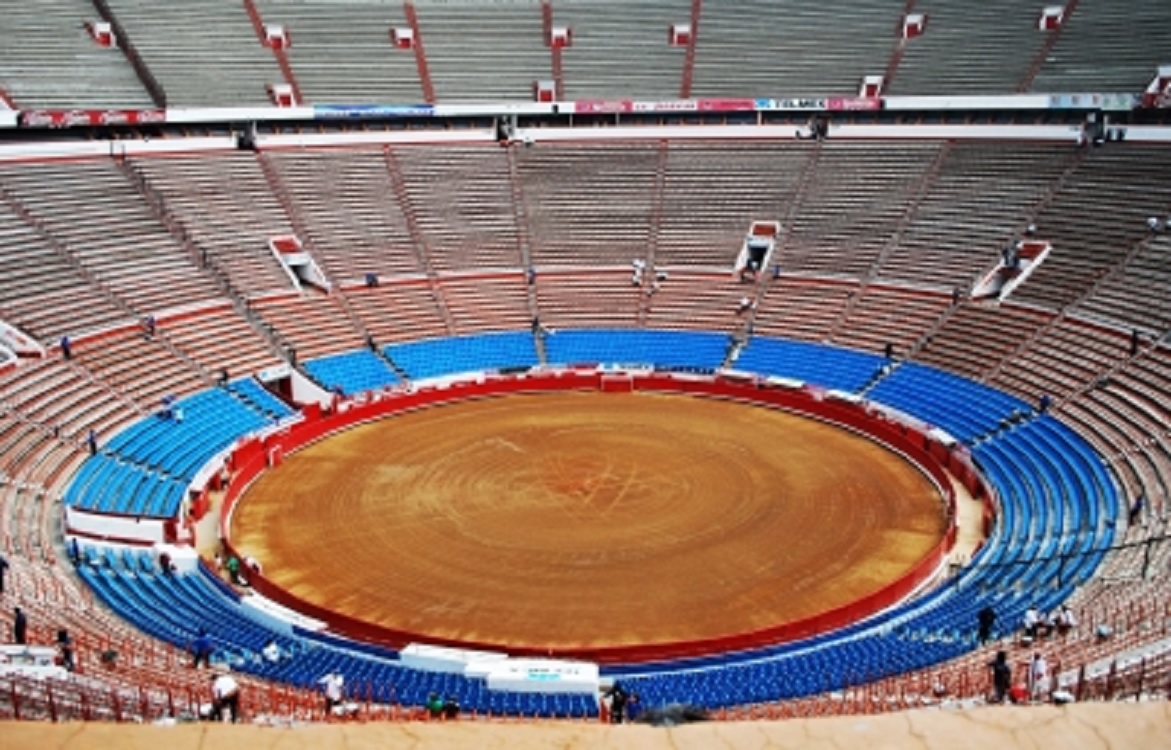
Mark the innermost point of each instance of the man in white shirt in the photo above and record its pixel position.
(225, 693)
(1066, 620)
(333, 691)
(1030, 622)
(1038, 676)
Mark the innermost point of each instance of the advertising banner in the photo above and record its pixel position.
(71, 118)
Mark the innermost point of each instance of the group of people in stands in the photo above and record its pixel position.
(1034, 626)
(1038, 625)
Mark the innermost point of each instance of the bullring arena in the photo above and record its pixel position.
(515, 373)
(605, 520)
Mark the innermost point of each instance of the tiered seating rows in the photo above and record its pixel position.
(489, 351)
(204, 54)
(352, 372)
(663, 349)
(49, 61)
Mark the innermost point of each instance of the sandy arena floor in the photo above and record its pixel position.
(585, 519)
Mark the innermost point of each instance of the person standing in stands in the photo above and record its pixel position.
(19, 627)
(65, 650)
(225, 693)
(1136, 510)
(1001, 676)
(1038, 676)
(1030, 622)
(201, 649)
(3, 572)
(985, 619)
(332, 685)
(66, 348)
(91, 440)
(618, 698)
(233, 568)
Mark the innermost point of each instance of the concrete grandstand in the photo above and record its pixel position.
(147, 245)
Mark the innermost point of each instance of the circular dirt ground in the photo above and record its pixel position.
(570, 520)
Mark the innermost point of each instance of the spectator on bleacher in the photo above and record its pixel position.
(1043, 403)
(332, 685)
(223, 383)
(233, 568)
(1001, 676)
(1038, 676)
(201, 649)
(1031, 621)
(148, 326)
(66, 348)
(19, 627)
(434, 706)
(65, 650)
(745, 305)
(1064, 620)
(1136, 510)
(165, 564)
(225, 693)
(450, 708)
(3, 572)
(638, 264)
(91, 440)
(618, 699)
(985, 619)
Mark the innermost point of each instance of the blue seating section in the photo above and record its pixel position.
(175, 608)
(961, 407)
(145, 469)
(489, 351)
(353, 372)
(254, 394)
(1057, 505)
(828, 366)
(664, 349)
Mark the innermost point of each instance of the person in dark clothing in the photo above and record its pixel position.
(451, 708)
(618, 699)
(65, 650)
(91, 440)
(3, 572)
(20, 627)
(201, 648)
(1136, 510)
(66, 348)
(986, 618)
(1001, 675)
(1135, 340)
